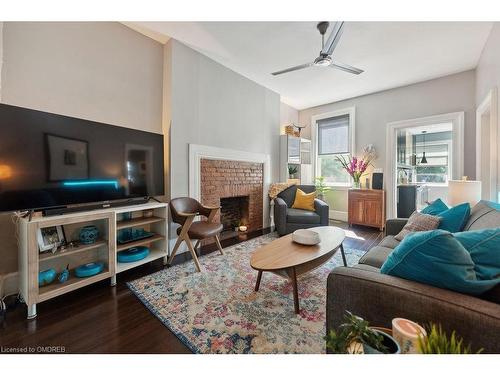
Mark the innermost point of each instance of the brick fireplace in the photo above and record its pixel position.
(236, 186)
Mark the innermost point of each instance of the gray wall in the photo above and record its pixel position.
(212, 105)
(288, 115)
(100, 71)
(452, 93)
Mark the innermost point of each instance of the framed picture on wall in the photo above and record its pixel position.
(67, 158)
(50, 238)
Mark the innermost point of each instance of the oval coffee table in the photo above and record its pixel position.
(289, 259)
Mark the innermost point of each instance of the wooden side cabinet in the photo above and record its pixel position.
(366, 207)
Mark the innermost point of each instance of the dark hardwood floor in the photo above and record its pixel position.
(105, 319)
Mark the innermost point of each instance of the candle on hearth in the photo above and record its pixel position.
(243, 228)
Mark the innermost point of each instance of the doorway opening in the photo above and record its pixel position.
(422, 156)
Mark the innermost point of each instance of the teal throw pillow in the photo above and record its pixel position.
(484, 249)
(436, 258)
(454, 219)
(435, 208)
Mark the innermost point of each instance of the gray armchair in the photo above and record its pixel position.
(288, 219)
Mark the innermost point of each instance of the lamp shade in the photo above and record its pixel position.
(460, 191)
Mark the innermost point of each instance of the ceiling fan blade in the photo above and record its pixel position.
(298, 67)
(333, 38)
(345, 67)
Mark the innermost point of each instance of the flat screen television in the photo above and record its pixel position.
(51, 161)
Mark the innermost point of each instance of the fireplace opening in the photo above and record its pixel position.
(234, 212)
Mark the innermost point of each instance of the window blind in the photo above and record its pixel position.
(333, 135)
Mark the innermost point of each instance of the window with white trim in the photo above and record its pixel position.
(333, 139)
(438, 167)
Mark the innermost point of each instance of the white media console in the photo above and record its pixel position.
(152, 217)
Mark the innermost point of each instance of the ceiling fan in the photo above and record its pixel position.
(325, 56)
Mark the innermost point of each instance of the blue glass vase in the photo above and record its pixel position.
(89, 234)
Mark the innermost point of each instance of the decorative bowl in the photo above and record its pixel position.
(306, 237)
(89, 269)
(133, 254)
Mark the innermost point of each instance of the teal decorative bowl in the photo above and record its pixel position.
(89, 269)
(133, 254)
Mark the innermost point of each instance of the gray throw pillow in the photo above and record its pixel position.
(418, 222)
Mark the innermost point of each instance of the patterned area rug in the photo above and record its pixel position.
(217, 311)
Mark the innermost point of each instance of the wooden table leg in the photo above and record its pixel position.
(295, 291)
(343, 254)
(259, 277)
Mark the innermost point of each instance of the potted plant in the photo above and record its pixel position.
(355, 336)
(292, 171)
(437, 342)
(321, 188)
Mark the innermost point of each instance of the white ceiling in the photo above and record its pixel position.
(392, 54)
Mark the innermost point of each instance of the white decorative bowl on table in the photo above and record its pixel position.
(306, 237)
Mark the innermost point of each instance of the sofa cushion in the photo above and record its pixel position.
(484, 249)
(454, 219)
(484, 215)
(295, 215)
(418, 222)
(435, 207)
(376, 256)
(366, 267)
(389, 241)
(436, 258)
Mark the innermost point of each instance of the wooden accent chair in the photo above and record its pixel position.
(183, 211)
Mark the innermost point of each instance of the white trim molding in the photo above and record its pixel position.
(198, 152)
(338, 215)
(351, 111)
(456, 118)
(489, 106)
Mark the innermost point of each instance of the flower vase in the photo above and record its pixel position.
(356, 184)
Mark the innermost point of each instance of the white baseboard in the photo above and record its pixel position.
(9, 284)
(338, 215)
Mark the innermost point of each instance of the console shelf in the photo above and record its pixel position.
(144, 241)
(152, 217)
(56, 289)
(137, 222)
(79, 249)
(153, 255)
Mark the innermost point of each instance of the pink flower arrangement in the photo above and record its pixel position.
(355, 166)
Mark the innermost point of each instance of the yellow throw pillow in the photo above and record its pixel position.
(304, 201)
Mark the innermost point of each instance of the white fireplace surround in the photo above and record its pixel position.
(198, 152)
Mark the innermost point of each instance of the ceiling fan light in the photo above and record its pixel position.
(323, 61)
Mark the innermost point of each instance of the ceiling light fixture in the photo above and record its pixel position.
(424, 159)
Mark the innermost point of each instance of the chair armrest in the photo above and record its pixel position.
(280, 209)
(379, 298)
(394, 226)
(322, 210)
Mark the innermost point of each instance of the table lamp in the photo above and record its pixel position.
(464, 191)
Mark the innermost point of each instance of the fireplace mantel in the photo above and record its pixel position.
(199, 152)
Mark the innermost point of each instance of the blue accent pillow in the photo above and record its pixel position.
(454, 219)
(484, 249)
(435, 208)
(436, 258)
